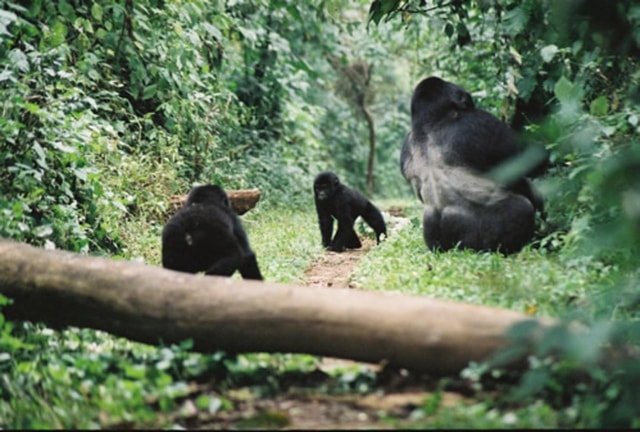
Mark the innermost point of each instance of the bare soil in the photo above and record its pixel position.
(333, 269)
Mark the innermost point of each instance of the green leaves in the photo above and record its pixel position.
(381, 8)
(599, 107)
(548, 53)
(570, 97)
(6, 19)
(96, 12)
(516, 19)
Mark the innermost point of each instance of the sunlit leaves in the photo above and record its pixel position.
(516, 19)
(19, 60)
(548, 52)
(570, 97)
(6, 18)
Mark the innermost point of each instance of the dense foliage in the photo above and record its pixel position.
(228, 94)
(109, 108)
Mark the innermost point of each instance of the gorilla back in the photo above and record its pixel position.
(206, 236)
(446, 157)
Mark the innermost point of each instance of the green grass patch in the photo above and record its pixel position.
(285, 242)
(534, 281)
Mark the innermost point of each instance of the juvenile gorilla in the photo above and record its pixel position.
(446, 157)
(207, 236)
(337, 201)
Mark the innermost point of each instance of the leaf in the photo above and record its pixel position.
(19, 60)
(527, 85)
(6, 18)
(149, 91)
(448, 29)
(62, 147)
(548, 53)
(43, 231)
(599, 107)
(515, 54)
(58, 33)
(568, 92)
(96, 12)
(5, 75)
(212, 30)
(382, 8)
(516, 20)
(66, 10)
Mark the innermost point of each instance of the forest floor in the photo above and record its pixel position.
(395, 395)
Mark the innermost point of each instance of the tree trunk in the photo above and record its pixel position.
(372, 147)
(152, 305)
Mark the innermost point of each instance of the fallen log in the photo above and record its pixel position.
(242, 200)
(152, 305)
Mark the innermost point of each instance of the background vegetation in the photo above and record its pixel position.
(111, 107)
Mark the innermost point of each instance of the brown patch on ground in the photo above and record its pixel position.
(323, 411)
(333, 269)
(396, 211)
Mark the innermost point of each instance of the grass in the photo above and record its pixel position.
(532, 281)
(285, 242)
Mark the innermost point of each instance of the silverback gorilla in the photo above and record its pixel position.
(446, 157)
(337, 201)
(207, 236)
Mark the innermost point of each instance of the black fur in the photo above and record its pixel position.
(337, 201)
(447, 157)
(207, 236)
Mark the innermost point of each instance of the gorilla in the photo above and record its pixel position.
(207, 236)
(448, 157)
(337, 201)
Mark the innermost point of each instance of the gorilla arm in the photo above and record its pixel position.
(248, 267)
(325, 220)
(413, 160)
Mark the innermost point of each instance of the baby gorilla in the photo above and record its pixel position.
(336, 201)
(207, 236)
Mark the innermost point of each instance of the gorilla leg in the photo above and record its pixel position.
(250, 269)
(526, 188)
(186, 246)
(505, 226)
(454, 226)
(517, 218)
(431, 228)
(225, 266)
(345, 237)
(353, 242)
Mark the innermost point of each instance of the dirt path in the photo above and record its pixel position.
(334, 269)
(352, 411)
(396, 394)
